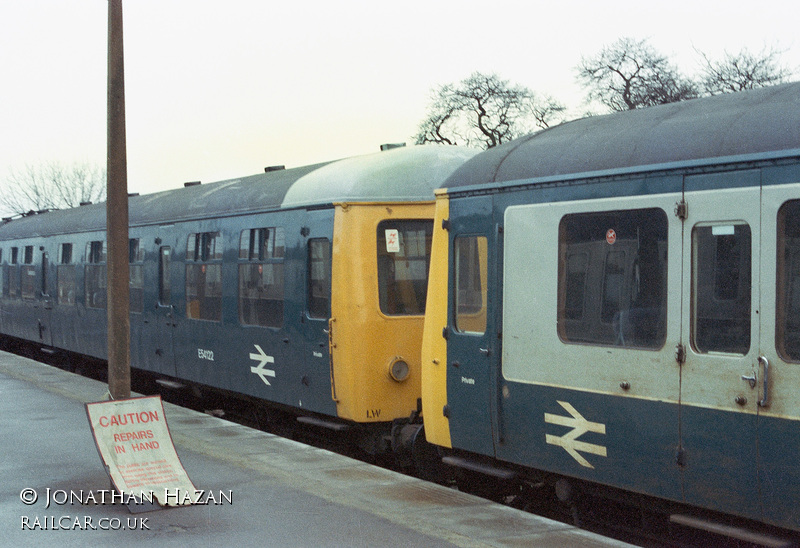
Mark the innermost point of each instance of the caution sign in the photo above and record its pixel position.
(135, 445)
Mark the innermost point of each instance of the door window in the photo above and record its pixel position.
(319, 280)
(470, 275)
(788, 305)
(721, 288)
(164, 293)
(136, 280)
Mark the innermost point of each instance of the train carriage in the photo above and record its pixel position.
(302, 287)
(614, 302)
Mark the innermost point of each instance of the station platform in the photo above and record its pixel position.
(283, 493)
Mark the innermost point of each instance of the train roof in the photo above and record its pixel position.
(400, 174)
(736, 124)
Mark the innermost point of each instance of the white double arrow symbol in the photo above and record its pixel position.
(580, 426)
(262, 360)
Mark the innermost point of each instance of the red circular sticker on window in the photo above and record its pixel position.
(611, 236)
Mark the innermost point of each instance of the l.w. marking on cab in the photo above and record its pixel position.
(580, 426)
(262, 360)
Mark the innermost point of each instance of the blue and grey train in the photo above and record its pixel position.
(303, 288)
(615, 303)
(611, 305)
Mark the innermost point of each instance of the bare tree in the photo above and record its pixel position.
(52, 186)
(742, 71)
(630, 74)
(484, 110)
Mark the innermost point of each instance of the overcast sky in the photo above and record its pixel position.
(218, 90)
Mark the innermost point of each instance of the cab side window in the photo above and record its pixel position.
(404, 256)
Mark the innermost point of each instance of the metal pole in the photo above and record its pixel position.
(119, 366)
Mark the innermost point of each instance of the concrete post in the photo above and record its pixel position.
(119, 367)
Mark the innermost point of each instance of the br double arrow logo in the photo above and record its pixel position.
(580, 426)
(262, 360)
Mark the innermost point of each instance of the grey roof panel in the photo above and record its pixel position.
(750, 122)
(401, 174)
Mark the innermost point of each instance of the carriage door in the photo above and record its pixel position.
(472, 347)
(45, 334)
(720, 341)
(314, 392)
(779, 370)
(157, 334)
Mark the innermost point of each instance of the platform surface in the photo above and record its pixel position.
(283, 493)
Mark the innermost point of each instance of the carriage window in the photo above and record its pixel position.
(13, 274)
(95, 275)
(404, 252)
(204, 276)
(319, 278)
(721, 288)
(471, 255)
(788, 305)
(612, 278)
(136, 279)
(65, 275)
(65, 254)
(27, 282)
(261, 252)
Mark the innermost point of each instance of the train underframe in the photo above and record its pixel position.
(399, 444)
(635, 517)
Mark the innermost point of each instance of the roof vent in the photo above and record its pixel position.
(192, 183)
(274, 168)
(85, 203)
(132, 194)
(390, 146)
